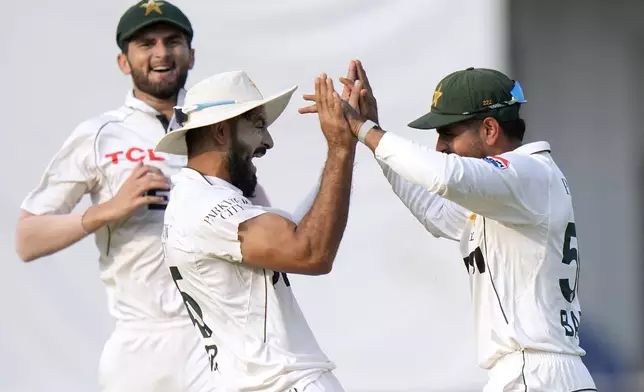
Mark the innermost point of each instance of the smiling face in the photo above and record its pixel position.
(249, 139)
(158, 58)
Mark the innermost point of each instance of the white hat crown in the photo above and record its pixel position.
(216, 99)
(234, 87)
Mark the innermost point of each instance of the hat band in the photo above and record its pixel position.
(517, 97)
(181, 113)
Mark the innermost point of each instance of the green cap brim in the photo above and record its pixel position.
(128, 34)
(436, 120)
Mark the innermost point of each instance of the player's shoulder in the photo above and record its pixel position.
(202, 196)
(532, 158)
(92, 126)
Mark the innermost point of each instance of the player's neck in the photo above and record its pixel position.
(503, 147)
(211, 164)
(163, 106)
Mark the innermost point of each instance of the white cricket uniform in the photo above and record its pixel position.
(514, 219)
(153, 347)
(247, 316)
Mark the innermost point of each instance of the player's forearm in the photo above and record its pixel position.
(415, 163)
(416, 198)
(323, 226)
(41, 235)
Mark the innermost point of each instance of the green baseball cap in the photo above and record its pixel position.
(148, 12)
(469, 93)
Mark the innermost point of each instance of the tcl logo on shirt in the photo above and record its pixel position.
(134, 154)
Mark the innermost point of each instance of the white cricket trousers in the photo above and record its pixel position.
(327, 382)
(155, 356)
(531, 371)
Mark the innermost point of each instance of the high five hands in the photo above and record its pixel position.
(357, 100)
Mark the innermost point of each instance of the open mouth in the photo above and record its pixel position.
(260, 152)
(163, 69)
(257, 154)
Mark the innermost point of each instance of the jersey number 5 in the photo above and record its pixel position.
(196, 315)
(570, 254)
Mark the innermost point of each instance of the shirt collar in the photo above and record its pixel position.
(192, 174)
(133, 102)
(534, 148)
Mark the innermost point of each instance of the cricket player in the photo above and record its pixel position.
(230, 258)
(510, 207)
(111, 157)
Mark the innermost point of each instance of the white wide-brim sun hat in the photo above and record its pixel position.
(216, 99)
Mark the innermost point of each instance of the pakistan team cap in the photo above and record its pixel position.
(470, 93)
(147, 12)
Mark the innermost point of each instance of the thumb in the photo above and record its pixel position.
(354, 96)
(352, 117)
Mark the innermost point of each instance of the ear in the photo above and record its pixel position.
(491, 131)
(222, 133)
(124, 65)
(192, 58)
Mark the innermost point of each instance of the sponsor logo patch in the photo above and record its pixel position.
(497, 161)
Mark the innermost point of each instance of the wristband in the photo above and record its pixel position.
(364, 130)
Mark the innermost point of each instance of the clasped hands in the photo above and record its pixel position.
(341, 115)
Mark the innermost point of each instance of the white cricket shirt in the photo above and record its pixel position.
(96, 159)
(252, 326)
(514, 219)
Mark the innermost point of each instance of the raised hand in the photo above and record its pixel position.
(334, 125)
(346, 91)
(368, 103)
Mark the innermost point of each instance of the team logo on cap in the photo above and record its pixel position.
(497, 161)
(437, 95)
(152, 5)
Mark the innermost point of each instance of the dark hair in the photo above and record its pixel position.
(198, 140)
(513, 129)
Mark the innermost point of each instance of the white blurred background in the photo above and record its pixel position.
(395, 313)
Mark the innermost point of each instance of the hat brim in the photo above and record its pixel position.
(174, 142)
(434, 120)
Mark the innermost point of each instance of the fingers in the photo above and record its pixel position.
(156, 183)
(151, 182)
(351, 76)
(324, 104)
(308, 109)
(352, 73)
(140, 170)
(348, 83)
(143, 200)
(354, 97)
(330, 93)
(362, 75)
(318, 94)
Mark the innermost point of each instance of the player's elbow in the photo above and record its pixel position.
(26, 257)
(320, 266)
(312, 262)
(23, 250)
